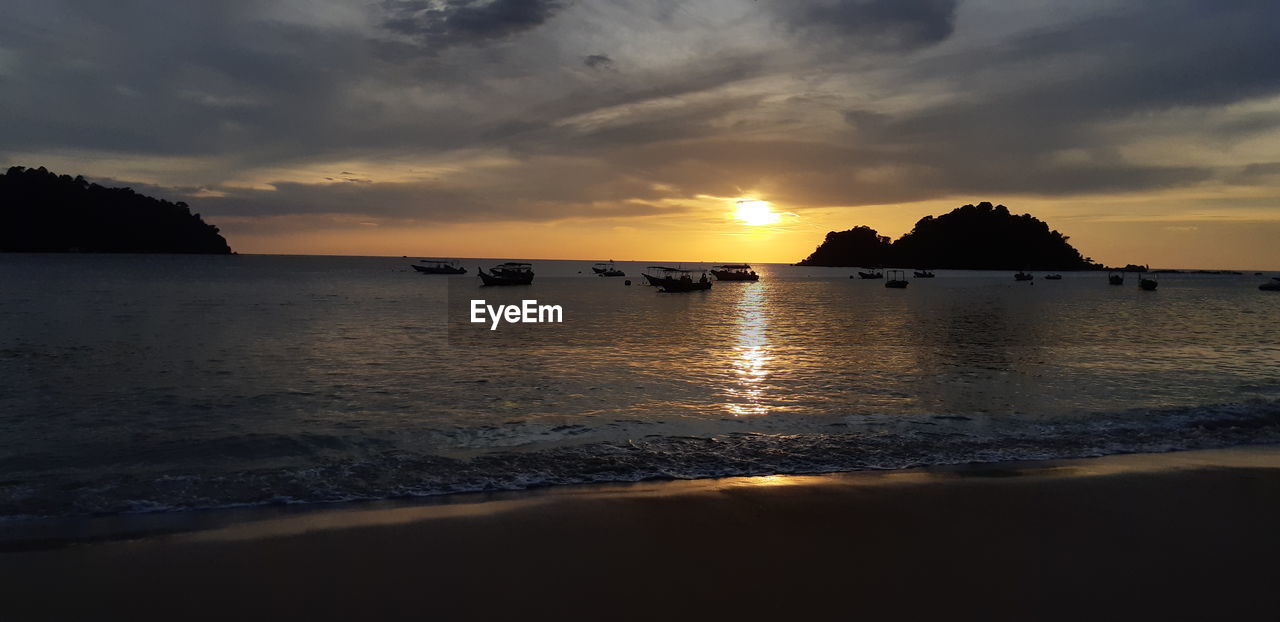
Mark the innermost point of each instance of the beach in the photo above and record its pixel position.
(1151, 536)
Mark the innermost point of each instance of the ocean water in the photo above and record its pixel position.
(145, 383)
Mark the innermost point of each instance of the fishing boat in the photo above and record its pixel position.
(606, 268)
(1273, 286)
(1053, 277)
(1115, 278)
(653, 274)
(873, 274)
(438, 266)
(734, 272)
(923, 274)
(1148, 284)
(1023, 276)
(897, 280)
(674, 280)
(510, 273)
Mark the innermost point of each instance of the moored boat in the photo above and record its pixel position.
(897, 280)
(734, 272)
(1053, 277)
(652, 274)
(923, 274)
(606, 268)
(674, 280)
(1023, 276)
(874, 274)
(438, 266)
(510, 273)
(1115, 278)
(1148, 284)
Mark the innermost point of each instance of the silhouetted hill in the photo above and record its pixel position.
(44, 212)
(972, 237)
(859, 246)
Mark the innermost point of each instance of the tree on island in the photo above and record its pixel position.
(859, 246)
(42, 212)
(971, 237)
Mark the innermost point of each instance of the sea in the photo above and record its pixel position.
(161, 383)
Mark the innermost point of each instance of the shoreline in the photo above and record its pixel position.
(1149, 534)
(43, 533)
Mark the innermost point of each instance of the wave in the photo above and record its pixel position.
(858, 443)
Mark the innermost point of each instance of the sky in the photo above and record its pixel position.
(707, 130)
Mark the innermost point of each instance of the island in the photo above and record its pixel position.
(43, 212)
(970, 237)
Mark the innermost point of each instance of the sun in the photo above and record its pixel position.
(755, 213)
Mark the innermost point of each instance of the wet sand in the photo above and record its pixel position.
(1192, 535)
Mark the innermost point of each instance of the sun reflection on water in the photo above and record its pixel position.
(751, 355)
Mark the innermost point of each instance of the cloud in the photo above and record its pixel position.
(471, 110)
(890, 25)
(444, 23)
(597, 61)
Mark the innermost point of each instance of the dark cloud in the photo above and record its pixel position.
(416, 202)
(875, 24)
(1151, 56)
(1088, 87)
(1256, 174)
(443, 23)
(597, 61)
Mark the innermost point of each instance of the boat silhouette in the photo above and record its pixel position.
(734, 272)
(606, 268)
(510, 273)
(674, 280)
(438, 266)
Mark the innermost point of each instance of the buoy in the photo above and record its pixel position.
(627, 282)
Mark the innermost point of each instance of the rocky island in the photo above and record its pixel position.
(43, 212)
(971, 237)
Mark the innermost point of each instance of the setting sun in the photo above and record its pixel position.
(756, 213)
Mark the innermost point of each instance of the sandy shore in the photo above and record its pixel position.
(1191, 535)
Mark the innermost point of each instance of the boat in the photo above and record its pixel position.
(1148, 284)
(922, 274)
(673, 280)
(438, 266)
(1273, 286)
(1023, 276)
(510, 273)
(875, 274)
(897, 280)
(653, 274)
(734, 272)
(1053, 277)
(606, 268)
(1115, 278)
